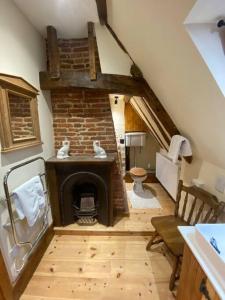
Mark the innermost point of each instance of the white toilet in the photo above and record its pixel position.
(138, 175)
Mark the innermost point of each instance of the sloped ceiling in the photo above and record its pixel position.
(154, 35)
(69, 17)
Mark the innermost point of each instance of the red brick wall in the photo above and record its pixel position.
(74, 55)
(84, 117)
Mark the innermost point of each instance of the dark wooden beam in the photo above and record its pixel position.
(106, 82)
(157, 123)
(117, 40)
(125, 85)
(152, 130)
(91, 49)
(53, 53)
(102, 11)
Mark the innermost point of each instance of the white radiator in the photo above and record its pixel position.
(168, 173)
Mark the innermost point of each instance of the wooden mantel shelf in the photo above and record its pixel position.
(81, 159)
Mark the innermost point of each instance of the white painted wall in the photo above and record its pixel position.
(113, 59)
(201, 24)
(69, 17)
(206, 11)
(22, 53)
(208, 174)
(210, 42)
(145, 155)
(118, 115)
(119, 124)
(156, 38)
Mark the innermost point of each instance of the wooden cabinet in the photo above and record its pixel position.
(193, 281)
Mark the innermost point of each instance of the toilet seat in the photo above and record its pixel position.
(138, 175)
(138, 172)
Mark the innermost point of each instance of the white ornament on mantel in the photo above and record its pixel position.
(99, 151)
(63, 152)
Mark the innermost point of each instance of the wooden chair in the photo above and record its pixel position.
(198, 206)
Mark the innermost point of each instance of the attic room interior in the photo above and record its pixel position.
(112, 150)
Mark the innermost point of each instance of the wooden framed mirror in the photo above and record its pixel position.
(19, 122)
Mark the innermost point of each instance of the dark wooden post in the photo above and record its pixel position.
(91, 48)
(102, 11)
(53, 53)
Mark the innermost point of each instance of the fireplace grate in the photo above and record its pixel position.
(87, 203)
(88, 220)
(86, 210)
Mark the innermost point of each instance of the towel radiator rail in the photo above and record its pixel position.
(44, 227)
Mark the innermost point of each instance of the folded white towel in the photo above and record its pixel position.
(179, 145)
(185, 149)
(29, 199)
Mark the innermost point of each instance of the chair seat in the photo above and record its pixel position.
(166, 226)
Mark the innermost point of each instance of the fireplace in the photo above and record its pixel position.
(84, 198)
(80, 190)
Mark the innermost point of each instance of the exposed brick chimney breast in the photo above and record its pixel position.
(84, 117)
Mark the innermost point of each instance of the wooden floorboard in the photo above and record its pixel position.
(94, 267)
(106, 263)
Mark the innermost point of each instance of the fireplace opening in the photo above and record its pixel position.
(85, 203)
(84, 199)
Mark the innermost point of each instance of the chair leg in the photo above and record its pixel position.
(173, 276)
(152, 241)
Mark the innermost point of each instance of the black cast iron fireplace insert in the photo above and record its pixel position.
(84, 199)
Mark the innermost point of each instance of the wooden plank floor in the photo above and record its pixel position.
(137, 223)
(97, 263)
(100, 268)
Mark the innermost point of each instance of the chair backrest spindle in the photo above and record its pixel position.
(184, 206)
(196, 200)
(192, 210)
(199, 213)
(179, 190)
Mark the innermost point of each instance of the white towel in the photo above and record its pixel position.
(179, 145)
(185, 149)
(29, 199)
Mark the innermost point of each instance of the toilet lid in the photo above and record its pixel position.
(139, 172)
